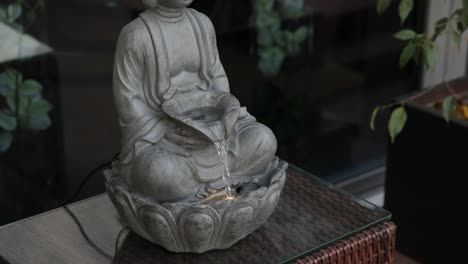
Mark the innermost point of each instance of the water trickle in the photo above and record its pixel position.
(221, 148)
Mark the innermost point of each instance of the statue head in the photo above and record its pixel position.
(167, 3)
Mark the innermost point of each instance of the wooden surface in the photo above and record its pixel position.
(53, 237)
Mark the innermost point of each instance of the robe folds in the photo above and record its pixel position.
(142, 87)
(142, 83)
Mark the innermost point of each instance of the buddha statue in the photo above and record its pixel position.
(167, 64)
(186, 141)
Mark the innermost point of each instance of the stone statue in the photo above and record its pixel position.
(177, 118)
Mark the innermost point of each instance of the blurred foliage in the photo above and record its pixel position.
(275, 42)
(20, 14)
(422, 49)
(22, 106)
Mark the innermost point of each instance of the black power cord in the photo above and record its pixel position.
(77, 221)
(86, 179)
(75, 218)
(85, 235)
(119, 236)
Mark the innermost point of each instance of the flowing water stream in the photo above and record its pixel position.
(221, 148)
(211, 116)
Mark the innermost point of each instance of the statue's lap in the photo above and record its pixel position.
(167, 176)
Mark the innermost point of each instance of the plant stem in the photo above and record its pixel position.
(454, 93)
(411, 98)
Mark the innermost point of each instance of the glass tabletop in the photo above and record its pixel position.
(311, 215)
(365, 216)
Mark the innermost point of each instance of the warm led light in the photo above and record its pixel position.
(230, 198)
(219, 195)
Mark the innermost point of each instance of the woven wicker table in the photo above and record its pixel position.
(314, 223)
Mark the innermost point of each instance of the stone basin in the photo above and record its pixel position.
(199, 226)
(205, 114)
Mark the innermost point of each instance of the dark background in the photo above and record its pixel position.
(319, 105)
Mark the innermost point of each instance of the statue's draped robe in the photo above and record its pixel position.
(142, 84)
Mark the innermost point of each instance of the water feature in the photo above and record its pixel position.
(180, 201)
(208, 119)
(205, 114)
(221, 148)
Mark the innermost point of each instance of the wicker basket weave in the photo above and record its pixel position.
(310, 214)
(374, 246)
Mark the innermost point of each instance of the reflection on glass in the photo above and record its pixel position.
(311, 70)
(29, 163)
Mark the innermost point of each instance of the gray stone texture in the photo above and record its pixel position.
(174, 103)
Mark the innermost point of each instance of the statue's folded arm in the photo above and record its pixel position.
(220, 79)
(139, 116)
(184, 136)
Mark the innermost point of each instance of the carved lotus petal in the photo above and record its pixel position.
(181, 227)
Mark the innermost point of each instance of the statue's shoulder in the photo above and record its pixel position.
(204, 19)
(134, 34)
(135, 28)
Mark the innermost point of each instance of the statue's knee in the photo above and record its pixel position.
(163, 176)
(269, 141)
(261, 139)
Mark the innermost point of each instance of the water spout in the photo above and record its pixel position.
(221, 148)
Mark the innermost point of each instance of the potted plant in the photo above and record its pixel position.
(426, 167)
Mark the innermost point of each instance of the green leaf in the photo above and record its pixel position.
(430, 56)
(5, 88)
(39, 122)
(264, 5)
(14, 11)
(457, 12)
(406, 6)
(374, 115)
(6, 139)
(397, 122)
(440, 26)
(449, 107)
(264, 37)
(3, 15)
(301, 34)
(271, 60)
(7, 122)
(408, 52)
(382, 6)
(463, 21)
(11, 76)
(31, 88)
(40, 106)
(11, 73)
(465, 4)
(268, 20)
(457, 38)
(405, 34)
(11, 102)
(279, 37)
